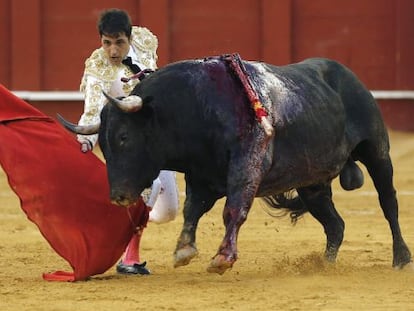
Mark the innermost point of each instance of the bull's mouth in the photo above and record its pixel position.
(128, 197)
(124, 201)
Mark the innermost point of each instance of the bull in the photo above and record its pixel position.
(193, 117)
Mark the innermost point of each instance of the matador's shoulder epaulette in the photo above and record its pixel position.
(143, 39)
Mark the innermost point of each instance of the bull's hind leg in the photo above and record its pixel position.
(381, 172)
(318, 200)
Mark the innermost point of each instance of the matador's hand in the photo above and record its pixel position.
(86, 146)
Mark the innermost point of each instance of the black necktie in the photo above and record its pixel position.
(128, 62)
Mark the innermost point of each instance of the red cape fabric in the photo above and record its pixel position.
(63, 191)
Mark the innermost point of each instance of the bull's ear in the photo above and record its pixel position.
(147, 106)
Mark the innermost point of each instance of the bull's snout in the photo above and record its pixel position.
(122, 199)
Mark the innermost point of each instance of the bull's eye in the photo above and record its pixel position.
(123, 138)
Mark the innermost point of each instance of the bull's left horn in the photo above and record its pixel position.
(130, 103)
(79, 129)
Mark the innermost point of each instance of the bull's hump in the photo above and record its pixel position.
(269, 80)
(268, 84)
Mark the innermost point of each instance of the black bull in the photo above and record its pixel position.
(194, 117)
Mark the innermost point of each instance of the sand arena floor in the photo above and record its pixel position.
(279, 266)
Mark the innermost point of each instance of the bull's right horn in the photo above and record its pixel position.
(79, 129)
(130, 103)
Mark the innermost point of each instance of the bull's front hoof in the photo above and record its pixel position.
(220, 264)
(184, 255)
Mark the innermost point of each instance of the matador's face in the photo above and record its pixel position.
(116, 47)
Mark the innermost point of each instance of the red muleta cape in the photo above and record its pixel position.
(63, 191)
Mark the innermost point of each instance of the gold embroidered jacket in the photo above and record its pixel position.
(100, 74)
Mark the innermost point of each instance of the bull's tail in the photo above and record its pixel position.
(286, 203)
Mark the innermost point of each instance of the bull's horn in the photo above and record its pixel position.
(78, 129)
(130, 103)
